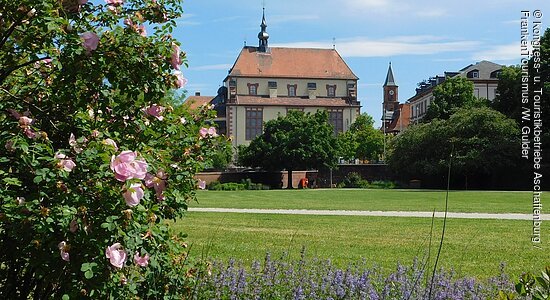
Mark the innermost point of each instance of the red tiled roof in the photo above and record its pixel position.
(291, 63)
(292, 101)
(194, 102)
(404, 119)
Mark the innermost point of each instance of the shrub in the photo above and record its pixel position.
(382, 184)
(354, 180)
(94, 155)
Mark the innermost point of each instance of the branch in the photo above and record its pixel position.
(30, 13)
(5, 74)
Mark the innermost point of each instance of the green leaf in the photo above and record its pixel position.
(89, 274)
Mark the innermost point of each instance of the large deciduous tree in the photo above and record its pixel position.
(455, 93)
(297, 141)
(362, 140)
(94, 159)
(482, 140)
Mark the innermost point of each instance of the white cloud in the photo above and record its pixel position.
(405, 45)
(211, 67)
(184, 20)
(510, 52)
(432, 13)
(368, 4)
(277, 19)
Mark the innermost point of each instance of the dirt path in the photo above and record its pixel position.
(415, 214)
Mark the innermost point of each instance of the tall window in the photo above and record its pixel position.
(336, 118)
(331, 90)
(254, 122)
(253, 89)
(292, 90)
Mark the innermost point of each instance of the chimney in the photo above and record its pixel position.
(197, 93)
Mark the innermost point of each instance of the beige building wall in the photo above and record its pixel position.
(301, 91)
(237, 119)
(485, 90)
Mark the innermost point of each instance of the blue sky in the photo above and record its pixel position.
(421, 38)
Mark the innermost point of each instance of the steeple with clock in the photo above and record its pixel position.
(391, 101)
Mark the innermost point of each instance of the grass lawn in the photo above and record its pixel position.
(471, 247)
(358, 199)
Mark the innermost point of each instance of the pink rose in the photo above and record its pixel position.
(203, 132)
(64, 163)
(157, 182)
(212, 132)
(175, 60)
(63, 249)
(114, 2)
(180, 80)
(202, 184)
(126, 166)
(25, 122)
(208, 132)
(133, 194)
(30, 133)
(72, 140)
(142, 261)
(155, 111)
(116, 256)
(90, 41)
(110, 142)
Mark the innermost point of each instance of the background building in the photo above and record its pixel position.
(395, 115)
(267, 82)
(484, 76)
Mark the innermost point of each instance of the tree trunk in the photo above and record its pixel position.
(289, 180)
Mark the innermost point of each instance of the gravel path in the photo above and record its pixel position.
(418, 214)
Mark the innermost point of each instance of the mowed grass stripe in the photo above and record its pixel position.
(471, 247)
(370, 200)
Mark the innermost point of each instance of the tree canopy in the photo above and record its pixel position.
(482, 141)
(454, 93)
(297, 141)
(362, 140)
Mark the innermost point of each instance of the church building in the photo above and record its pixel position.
(395, 115)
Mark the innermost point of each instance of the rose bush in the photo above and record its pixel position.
(95, 158)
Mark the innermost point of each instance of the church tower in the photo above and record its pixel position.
(391, 100)
(263, 36)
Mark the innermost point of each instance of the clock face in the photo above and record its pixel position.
(391, 92)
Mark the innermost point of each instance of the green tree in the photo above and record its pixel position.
(362, 140)
(454, 93)
(296, 141)
(484, 142)
(508, 98)
(94, 159)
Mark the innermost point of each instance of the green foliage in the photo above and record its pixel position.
(451, 95)
(245, 184)
(483, 140)
(223, 155)
(508, 98)
(60, 203)
(293, 142)
(362, 140)
(537, 287)
(354, 180)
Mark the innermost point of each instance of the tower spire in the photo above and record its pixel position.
(390, 81)
(263, 36)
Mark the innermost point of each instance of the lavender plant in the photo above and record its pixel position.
(313, 278)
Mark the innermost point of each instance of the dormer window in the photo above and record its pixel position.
(253, 89)
(312, 86)
(331, 90)
(272, 84)
(292, 90)
(473, 74)
(495, 74)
